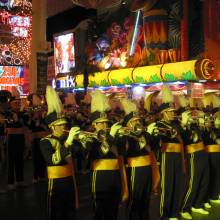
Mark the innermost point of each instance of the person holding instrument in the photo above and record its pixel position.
(197, 166)
(211, 137)
(171, 159)
(135, 145)
(109, 186)
(62, 199)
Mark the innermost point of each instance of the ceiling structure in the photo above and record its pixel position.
(55, 7)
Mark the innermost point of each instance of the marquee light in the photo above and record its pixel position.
(20, 25)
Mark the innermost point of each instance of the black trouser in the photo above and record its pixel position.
(171, 185)
(140, 186)
(106, 190)
(214, 180)
(61, 199)
(15, 158)
(39, 164)
(197, 179)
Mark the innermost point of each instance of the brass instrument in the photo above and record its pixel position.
(86, 133)
(8, 120)
(165, 129)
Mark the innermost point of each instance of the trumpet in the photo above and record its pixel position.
(8, 120)
(85, 133)
(167, 131)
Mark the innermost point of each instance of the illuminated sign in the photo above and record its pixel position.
(11, 76)
(65, 82)
(7, 3)
(19, 24)
(64, 53)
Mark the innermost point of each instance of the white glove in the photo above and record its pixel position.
(201, 122)
(217, 122)
(152, 128)
(72, 134)
(185, 118)
(115, 128)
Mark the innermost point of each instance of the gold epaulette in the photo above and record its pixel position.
(47, 137)
(54, 142)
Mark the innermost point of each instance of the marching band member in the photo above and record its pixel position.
(15, 144)
(62, 198)
(211, 137)
(172, 169)
(108, 173)
(135, 145)
(197, 169)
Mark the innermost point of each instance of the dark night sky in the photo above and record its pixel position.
(67, 20)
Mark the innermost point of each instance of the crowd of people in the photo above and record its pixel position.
(130, 153)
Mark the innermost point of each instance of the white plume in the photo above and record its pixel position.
(128, 106)
(53, 101)
(99, 102)
(215, 101)
(183, 101)
(167, 96)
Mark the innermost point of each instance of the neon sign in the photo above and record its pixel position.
(19, 24)
(12, 76)
(7, 3)
(65, 82)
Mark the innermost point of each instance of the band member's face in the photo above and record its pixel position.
(134, 123)
(101, 126)
(59, 130)
(15, 105)
(168, 115)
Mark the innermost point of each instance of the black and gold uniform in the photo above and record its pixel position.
(62, 198)
(107, 166)
(197, 168)
(172, 169)
(106, 177)
(135, 148)
(61, 193)
(211, 138)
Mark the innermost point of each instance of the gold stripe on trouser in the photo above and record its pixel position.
(163, 170)
(50, 188)
(94, 185)
(191, 180)
(132, 188)
(213, 148)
